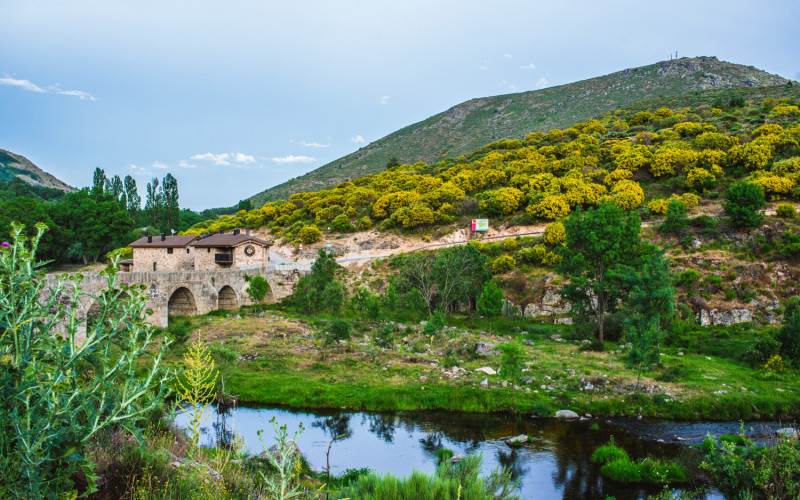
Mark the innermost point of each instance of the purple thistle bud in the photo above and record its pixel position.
(5, 244)
(127, 284)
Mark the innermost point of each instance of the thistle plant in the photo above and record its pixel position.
(283, 484)
(57, 392)
(196, 386)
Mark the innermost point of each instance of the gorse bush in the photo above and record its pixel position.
(339, 330)
(59, 391)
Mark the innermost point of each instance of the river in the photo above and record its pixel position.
(554, 464)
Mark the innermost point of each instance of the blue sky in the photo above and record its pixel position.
(234, 97)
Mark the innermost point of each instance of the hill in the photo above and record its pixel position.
(472, 124)
(14, 165)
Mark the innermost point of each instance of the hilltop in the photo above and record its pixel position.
(14, 165)
(472, 124)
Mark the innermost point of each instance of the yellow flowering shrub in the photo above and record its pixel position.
(784, 112)
(554, 234)
(658, 207)
(617, 175)
(690, 200)
(753, 155)
(663, 113)
(709, 157)
(715, 140)
(768, 129)
(417, 214)
(627, 195)
(688, 129)
(667, 160)
(390, 203)
(775, 187)
(787, 166)
(503, 264)
(698, 177)
(551, 207)
(502, 201)
(640, 118)
(510, 244)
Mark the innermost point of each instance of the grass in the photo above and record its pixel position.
(618, 466)
(291, 366)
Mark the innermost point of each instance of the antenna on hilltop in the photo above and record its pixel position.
(676, 54)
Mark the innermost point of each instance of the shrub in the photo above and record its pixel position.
(687, 278)
(662, 472)
(622, 470)
(384, 337)
(608, 453)
(364, 223)
(503, 264)
(775, 364)
(554, 234)
(676, 220)
(510, 244)
(743, 204)
(786, 211)
(338, 330)
(309, 234)
(764, 347)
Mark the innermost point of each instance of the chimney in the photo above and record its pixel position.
(235, 232)
(247, 231)
(163, 237)
(149, 239)
(221, 231)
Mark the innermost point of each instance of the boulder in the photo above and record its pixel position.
(732, 317)
(484, 348)
(567, 415)
(563, 321)
(517, 440)
(485, 382)
(787, 432)
(486, 370)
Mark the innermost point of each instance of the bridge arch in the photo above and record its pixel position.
(227, 299)
(182, 303)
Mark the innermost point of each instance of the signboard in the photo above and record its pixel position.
(328, 245)
(480, 224)
(301, 246)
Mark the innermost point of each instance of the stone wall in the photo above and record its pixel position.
(181, 259)
(204, 259)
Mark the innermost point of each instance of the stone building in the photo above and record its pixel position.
(192, 253)
(163, 253)
(230, 251)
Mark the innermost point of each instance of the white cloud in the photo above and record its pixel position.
(52, 89)
(385, 99)
(528, 66)
(23, 84)
(244, 159)
(293, 159)
(482, 68)
(509, 86)
(220, 159)
(158, 164)
(357, 139)
(542, 83)
(314, 144)
(186, 164)
(507, 56)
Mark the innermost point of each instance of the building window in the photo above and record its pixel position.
(154, 266)
(208, 250)
(169, 251)
(187, 250)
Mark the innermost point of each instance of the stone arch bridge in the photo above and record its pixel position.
(188, 293)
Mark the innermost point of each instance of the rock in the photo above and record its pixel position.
(555, 336)
(589, 387)
(567, 415)
(485, 382)
(484, 348)
(528, 342)
(456, 458)
(732, 317)
(696, 243)
(504, 383)
(527, 380)
(486, 370)
(562, 321)
(517, 440)
(585, 341)
(721, 392)
(787, 432)
(680, 353)
(551, 305)
(289, 447)
(588, 415)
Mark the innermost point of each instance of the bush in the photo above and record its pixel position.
(676, 220)
(510, 244)
(623, 471)
(503, 264)
(309, 234)
(608, 453)
(743, 204)
(554, 234)
(384, 337)
(762, 349)
(786, 211)
(339, 330)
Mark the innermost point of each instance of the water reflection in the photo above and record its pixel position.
(554, 463)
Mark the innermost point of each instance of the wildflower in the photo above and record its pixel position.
(6, 244)
(127, 284)
(6, 360)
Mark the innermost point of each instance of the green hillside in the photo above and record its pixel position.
(13, 166)
(475, 123)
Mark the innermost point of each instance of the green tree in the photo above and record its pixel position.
(60, 392)
(599, 242)
(153, 202)
(308, 293)
(743, 204)
(29, 212)
(170, 210)
(414, 303)
(676, 221)
(99, 181)
(512, 359)
(134, 201)
(490, 303)
(334, 297)
(460, 273)
(257, 288)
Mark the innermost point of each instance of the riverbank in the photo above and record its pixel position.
(278, 358)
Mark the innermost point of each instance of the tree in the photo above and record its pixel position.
(153, 202)
(676, 221)
(99, 181)
(257, 289)
(116, 187)
(29, 212)
(132, 197)
(460, 273)
(652, 303)
(334, 297)
(309, 291)
(743, 204)
(598, 243)
(417, 272)
(511, 365)
(170, 209)
(490, 303)
(414, 303)
(60, 393)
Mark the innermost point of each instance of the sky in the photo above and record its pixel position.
(233, 97)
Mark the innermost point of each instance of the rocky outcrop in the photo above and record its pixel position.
(732, 317)
(567, 415)
(552, 305)
(484, 348)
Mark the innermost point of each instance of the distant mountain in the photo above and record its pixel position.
(13, 165)
(477, 122)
